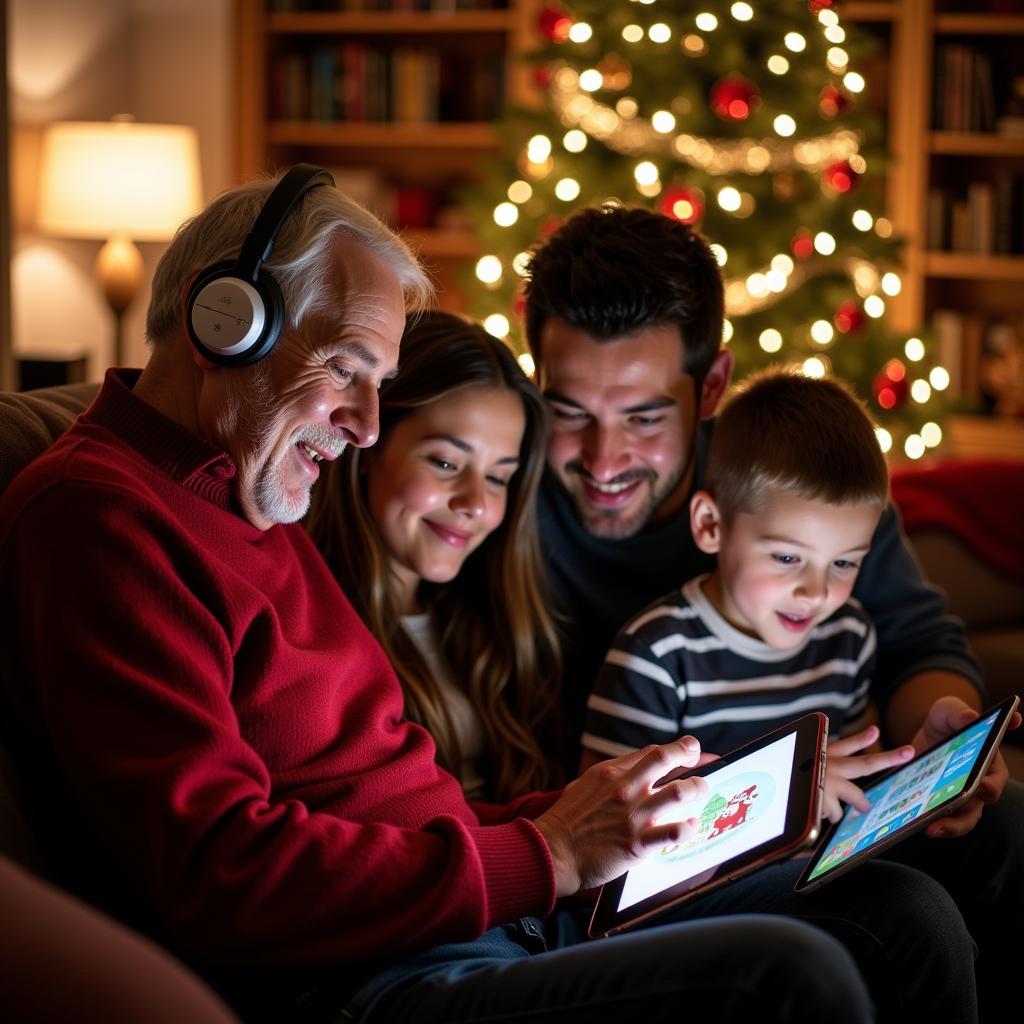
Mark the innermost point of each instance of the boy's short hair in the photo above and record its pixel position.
(781, 430)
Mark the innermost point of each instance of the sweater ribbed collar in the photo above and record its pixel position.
(185, 457)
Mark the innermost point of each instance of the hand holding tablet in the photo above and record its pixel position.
(615, 812)
(763, 803)
(932, 785)
(846, 763)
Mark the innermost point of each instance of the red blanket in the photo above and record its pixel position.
(981, 502)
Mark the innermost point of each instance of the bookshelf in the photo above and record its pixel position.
(955, 192)
(398, 102)
(409, 167)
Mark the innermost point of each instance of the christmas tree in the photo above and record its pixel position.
(749, 121)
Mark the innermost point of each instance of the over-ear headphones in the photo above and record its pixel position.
(235, 314)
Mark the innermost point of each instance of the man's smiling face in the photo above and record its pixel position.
(623, 413)
(314, 394)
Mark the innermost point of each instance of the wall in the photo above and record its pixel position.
(90, 60)
(6, 360)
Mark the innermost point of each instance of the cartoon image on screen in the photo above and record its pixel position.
(733, 807)
(898, 800)
(745, 806)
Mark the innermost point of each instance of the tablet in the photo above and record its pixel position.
(904, 800)
(763, 803)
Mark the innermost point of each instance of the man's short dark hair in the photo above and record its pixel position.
(613, 270)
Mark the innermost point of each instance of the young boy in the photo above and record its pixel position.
(795, 485)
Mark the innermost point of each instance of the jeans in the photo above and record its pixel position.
(984, 874)
(911, 950)
(737, 969)
(911, 921)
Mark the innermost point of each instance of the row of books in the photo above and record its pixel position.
(988, 217)
(985, 359)
(401, 204)
(356, 82)
(964, 99)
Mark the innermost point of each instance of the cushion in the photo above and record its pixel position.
(978, 502)
(31, 421)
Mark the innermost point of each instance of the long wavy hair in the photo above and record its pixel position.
(493, 621)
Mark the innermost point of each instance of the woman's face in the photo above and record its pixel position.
(437, 484)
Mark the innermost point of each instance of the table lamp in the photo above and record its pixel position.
(121, 181)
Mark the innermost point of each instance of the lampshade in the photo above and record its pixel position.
(101, 178)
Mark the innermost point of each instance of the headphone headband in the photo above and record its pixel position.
(276, 210)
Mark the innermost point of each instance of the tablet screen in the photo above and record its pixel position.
(913, 790)
(745, 807)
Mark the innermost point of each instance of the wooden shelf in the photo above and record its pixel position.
(868, 11)
(441, 244)
(984, 437)
(974, 266)
(391, 23)
(383, 134)
(968, 24)
(975, 144)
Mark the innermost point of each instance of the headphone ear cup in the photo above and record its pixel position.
(235, 313)
(274, 320)
(232, 321)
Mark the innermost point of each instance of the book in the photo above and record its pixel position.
(948, 332)
(937, 219)
(1009, 212)
(981, 216)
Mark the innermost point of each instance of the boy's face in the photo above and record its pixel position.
(782, 570)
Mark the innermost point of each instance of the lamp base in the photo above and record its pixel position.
(119, 272)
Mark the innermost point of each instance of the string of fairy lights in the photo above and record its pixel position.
(623, 128)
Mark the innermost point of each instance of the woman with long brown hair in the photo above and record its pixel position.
(432, 534)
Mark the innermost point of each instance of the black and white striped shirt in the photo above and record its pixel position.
(680, 667)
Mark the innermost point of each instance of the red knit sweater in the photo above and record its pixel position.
(223, 721)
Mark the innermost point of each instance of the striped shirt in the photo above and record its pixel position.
(679, 667)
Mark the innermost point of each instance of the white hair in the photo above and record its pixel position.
(300, 260)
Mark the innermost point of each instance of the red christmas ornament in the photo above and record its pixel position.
(802, 244)
(682, 203)
(554, 24)
(832, 101)
(734, 98)
(542, 76)
(550, 226)
(820, 5)
(839, 177)
(850, 317)
(890, 385)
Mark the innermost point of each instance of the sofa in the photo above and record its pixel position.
(963, 521)
(988, 599)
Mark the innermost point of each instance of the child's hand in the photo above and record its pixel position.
(841, 766)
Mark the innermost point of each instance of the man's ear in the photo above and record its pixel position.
(198, 357)
(716, 380)
(705, 523)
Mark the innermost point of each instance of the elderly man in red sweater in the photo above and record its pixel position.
(215, 740)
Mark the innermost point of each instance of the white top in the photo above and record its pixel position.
(464, 718)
